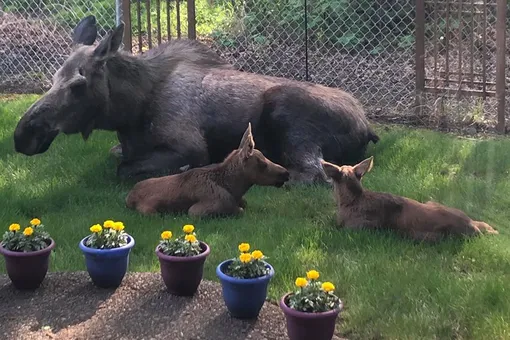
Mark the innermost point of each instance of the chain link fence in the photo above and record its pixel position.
(35, 38)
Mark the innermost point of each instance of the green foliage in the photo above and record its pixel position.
(111, 235)
(32, 238)
(184, 246)
(313, 296)
(248, 265)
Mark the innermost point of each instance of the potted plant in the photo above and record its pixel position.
(244, 282)
(106, 253)
(182, 261)
(27, 254)
(312, 310)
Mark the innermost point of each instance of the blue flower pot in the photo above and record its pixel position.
(107, 267)
(244, 298)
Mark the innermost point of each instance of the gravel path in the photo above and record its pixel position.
(69, 306)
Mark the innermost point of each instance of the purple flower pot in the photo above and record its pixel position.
(182, 275)
(305, 326)
(27, 270)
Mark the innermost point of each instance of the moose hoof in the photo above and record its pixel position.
(116, 151)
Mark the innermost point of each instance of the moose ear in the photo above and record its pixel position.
(110, 44)
(330, 169)
(363, 167)
(85, 32)
(247, 144)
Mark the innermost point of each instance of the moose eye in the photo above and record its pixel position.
(262, 165)
(80, 71)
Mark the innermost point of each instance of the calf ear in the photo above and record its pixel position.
(110, 44)
(331, 170)
(85, 32)
(363, 167)
(247, 144)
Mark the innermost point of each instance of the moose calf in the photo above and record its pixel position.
(360, 208)
(213, 190)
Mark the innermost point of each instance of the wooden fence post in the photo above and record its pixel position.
(192, 24)
(500, 63)
(420, 55)
(126, 17)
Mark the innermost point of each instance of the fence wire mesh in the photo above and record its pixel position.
(35, 38)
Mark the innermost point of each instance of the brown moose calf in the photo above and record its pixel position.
(360, 208)
(209, 191)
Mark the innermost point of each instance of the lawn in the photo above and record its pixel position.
(392, 288)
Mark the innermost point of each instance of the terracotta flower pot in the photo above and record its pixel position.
(182, 275)
(27, 270)
(244, 298)
(305, 326)
(107, 267)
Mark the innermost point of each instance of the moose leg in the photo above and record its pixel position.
(215, 208)
(158, 163)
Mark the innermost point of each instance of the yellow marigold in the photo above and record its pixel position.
(188, 228)
(96, 228)
(257, 254)
(108, 224)
(28, 231)
(14, 227)
(244, 247)
(190, 238)
(166, 235)
(312, 275)
(328, 287)
(301, 282)
(118, 226)
(35, 222)
(245, 257)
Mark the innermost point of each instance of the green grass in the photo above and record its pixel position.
(392, 288)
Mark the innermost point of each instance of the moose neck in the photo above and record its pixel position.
(347, 193)
(130, 82)
(230, 175)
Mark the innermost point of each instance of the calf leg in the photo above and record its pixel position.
(484, 227)
(215, 208)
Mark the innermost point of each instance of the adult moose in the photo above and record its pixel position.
(180, 104)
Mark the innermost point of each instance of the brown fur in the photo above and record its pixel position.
(211, 190)
(360, 208)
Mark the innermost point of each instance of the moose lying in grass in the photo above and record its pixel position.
(360, 208)
(215, 190)
(180, 104)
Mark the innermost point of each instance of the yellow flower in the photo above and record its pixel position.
(96, 228)
(312, 275)
(301, 282)
(244, 247)
(35, 222)
(118, 226)
(190, 238)
(188, 228)
(245, 257)
(14, 227)
(28, 231)
(166, 235)
(108, 224)
(328, 287)
(257, 254)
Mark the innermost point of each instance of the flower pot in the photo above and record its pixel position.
(107, 267)
(27, 270)
(182, 275)
(304, 326)
(243, 297)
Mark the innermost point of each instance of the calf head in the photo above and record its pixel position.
(346, 176)
(256, 168)
(79, 93)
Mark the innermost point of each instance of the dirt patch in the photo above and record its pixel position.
(69, 306)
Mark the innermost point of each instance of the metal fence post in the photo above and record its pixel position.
(126, 17)
(500, 63)
(420, 55)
